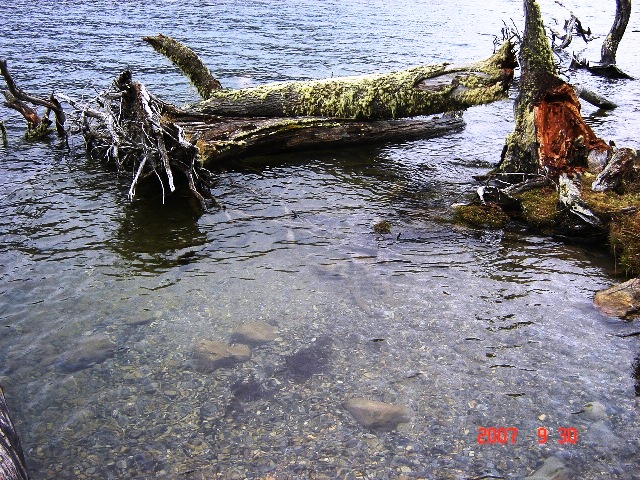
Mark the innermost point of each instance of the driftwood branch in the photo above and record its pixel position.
(17, 98)
(594, 98)
(570, 26)
(12, 462)
(221, 139)
(610, 45)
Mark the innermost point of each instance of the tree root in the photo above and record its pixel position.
(125, 127)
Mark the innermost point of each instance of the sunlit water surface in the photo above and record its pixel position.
(467, 328)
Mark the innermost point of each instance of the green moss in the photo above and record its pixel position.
(624, 239)
(536, 53)
(40, 132)
(607, 204)
(622, 215)
(539, 207)
(482, 216)
(370, 97)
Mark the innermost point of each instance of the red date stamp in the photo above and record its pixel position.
(504, 435)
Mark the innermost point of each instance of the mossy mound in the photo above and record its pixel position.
(382, 227)
(482, 216)
(624, 238)
(540, 207)
(621, 212)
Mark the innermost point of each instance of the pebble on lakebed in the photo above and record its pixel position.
(552, 469)
(377, 415)
(87, 352)
(210, 355)
(254, 333)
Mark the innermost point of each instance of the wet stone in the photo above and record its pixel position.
(211, 354)
(377, 415)
(254, 333)
(620, 300)
(87, 352)
(551, 469)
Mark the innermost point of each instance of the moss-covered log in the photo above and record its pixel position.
(423, 90)
(187, 61)
(550, 135)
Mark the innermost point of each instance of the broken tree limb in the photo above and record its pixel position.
(424, 90)
(12, 462)
(593, 98)
(571, 198)
(188, 62)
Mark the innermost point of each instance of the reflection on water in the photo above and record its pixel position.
(151, 240)
(104, 302)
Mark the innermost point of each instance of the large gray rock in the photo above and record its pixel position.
(620, 300)
(254, 333)
(87, 352)
(377, 415)
(210, 355)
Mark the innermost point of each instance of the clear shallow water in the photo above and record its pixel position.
(466, 328)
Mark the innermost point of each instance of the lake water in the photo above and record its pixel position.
(466, 328)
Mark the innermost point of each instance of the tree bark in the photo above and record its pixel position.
(12, 462)
(550, 136)
(187, 61)
(221, 139)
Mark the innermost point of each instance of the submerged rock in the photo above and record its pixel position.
(87, 352)
(595, 411)
(377, 415)
(620, 300)
(254, 333)
(308, 361)
(211, 354)
(551, 469)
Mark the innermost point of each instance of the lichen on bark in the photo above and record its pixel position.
(372, 97)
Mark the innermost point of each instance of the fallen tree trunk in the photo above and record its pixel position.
(129, 126)
(12, 462)
(424, 90)
(137, 132)
(221, 139)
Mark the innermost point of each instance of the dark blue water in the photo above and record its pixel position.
(466, 328)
